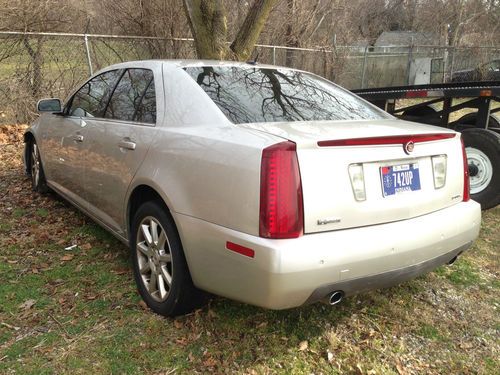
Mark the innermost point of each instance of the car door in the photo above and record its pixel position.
(119, 144)
(67, 135)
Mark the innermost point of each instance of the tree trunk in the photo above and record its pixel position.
(208, 22)
(36, 59)
(251, 28)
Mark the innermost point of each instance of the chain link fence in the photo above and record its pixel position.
(36, 65)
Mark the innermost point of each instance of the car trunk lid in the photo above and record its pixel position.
(337, 158)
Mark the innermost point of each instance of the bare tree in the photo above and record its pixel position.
(208, 22)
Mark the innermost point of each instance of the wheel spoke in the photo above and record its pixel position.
(145, 268)
(144, 249)
(162, 240)
(152, 286)
(161, 287)
(166, 276)
(146, 234)
(154, 231)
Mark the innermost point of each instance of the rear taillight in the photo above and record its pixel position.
(281, 207)
(466, 194)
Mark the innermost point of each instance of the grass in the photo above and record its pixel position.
(77, 311)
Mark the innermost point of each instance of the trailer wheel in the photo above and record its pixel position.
(483, 156)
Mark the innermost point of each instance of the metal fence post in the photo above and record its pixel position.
(274, 55)
(363, 74)
(87, 50)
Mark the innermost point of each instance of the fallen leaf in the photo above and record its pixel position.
(303, 345)
(181, 341)
(400, 368)
(121, 271)
(86, 246)
(28, 304)
(67, 257)
(143, 304)
(178, 324)
(210, 362)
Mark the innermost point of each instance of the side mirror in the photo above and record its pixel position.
(52, 105)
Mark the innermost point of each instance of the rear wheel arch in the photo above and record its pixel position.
(140, 195)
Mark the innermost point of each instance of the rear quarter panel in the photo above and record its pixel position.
(200, 163)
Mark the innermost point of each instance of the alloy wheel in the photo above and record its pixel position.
(154, 258)
(35, 165)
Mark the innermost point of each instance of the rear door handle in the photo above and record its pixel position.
(78, 138)
(127, 144)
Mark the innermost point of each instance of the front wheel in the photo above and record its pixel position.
(483, 157)
(38, 182)
(160, 268)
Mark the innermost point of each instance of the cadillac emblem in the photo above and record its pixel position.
(409, 147)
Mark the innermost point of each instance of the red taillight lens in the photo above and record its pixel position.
(466, 194)
(281, 207)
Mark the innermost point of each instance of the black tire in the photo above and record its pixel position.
(38, 181)
(182, 296)
(483, 154)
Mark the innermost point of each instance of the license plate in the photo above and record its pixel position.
(398, 179)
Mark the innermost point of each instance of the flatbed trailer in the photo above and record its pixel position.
(480, 129)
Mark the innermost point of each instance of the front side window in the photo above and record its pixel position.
(134, 97)
(247, 95)
(92, 97)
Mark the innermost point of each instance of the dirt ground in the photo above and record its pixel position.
(68, 304)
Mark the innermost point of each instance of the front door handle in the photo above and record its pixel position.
(127, 144)
(78, 138)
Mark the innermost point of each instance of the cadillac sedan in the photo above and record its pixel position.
(266, 185)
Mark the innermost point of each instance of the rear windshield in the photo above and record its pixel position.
(247, 95)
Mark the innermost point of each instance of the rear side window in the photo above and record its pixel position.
(92, 97)
(134, 97)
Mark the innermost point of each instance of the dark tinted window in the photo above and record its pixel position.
(134, 97)
(91, 99)
(272, 95)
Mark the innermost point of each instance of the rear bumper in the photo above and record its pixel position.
(289, 273)
(385, 279)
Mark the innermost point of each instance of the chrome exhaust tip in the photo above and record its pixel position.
(453, 260)
(334, 298)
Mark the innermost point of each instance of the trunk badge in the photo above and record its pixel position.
(409, 147)
(330, 220)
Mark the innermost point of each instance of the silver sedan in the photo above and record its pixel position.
(266, 185)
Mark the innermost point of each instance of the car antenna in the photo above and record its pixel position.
(254, 61)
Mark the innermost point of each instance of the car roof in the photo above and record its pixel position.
(185, 63)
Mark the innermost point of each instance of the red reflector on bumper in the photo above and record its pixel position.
(240, 249)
